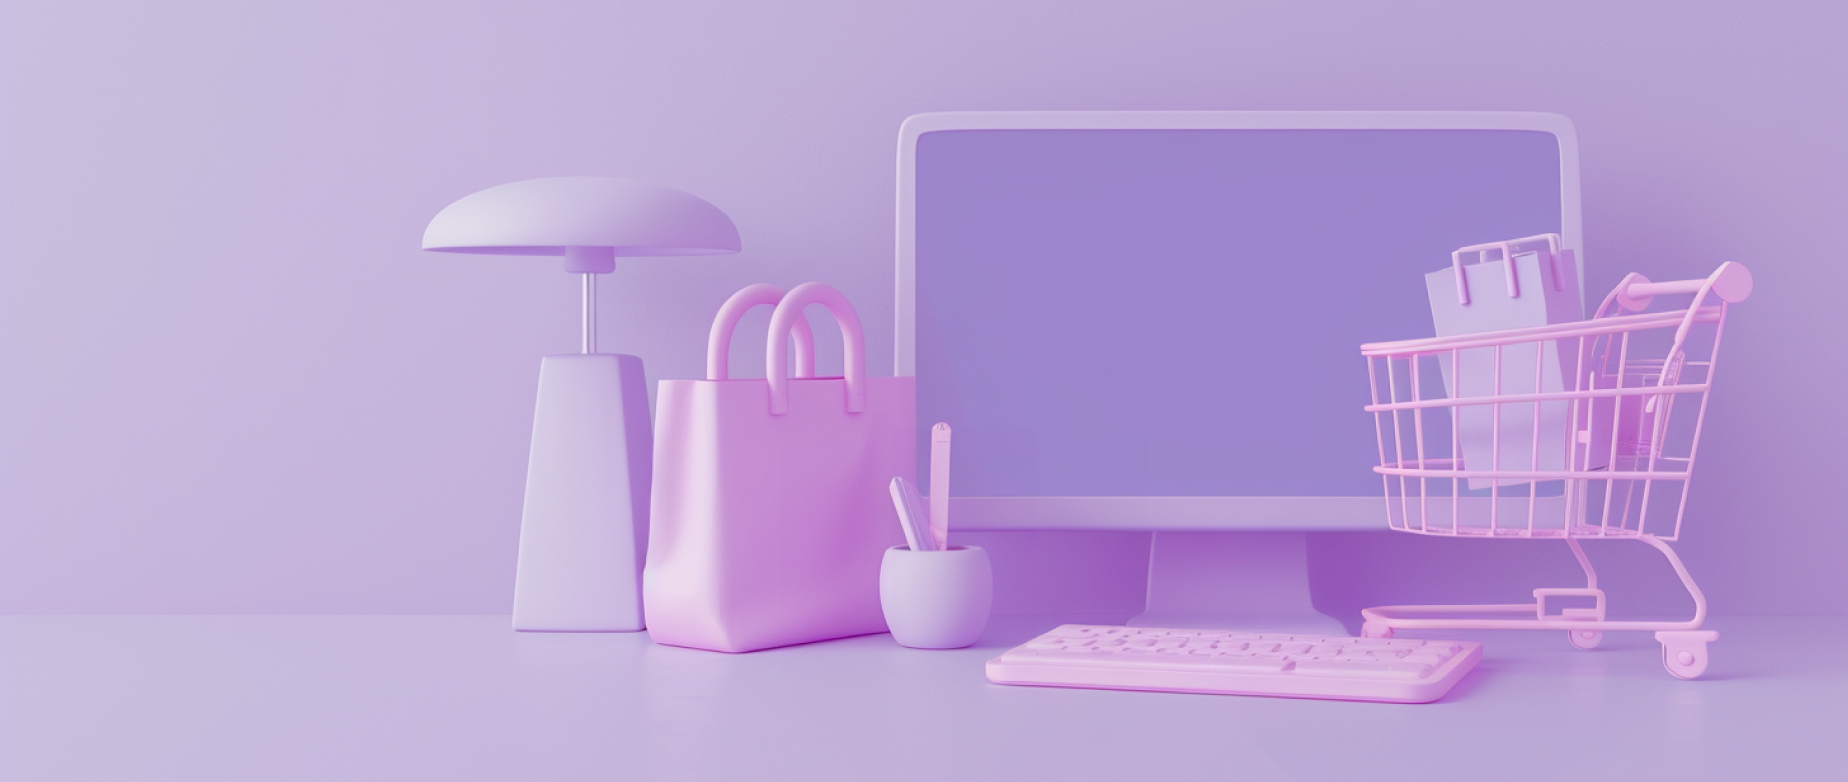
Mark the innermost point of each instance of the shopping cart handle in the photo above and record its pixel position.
(1731, 282)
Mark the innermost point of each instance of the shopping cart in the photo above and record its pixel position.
(1567, 431)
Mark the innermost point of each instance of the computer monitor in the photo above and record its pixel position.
(1151, 320)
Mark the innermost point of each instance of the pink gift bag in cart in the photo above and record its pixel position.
(770, 509)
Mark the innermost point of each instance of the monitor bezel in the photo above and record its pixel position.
(1211, 513)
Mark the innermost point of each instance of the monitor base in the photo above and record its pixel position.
(1252, 581)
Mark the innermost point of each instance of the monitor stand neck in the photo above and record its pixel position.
(1233, 581)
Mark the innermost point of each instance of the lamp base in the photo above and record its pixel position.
(584, 529)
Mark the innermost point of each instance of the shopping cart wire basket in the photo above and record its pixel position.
(1569, 431)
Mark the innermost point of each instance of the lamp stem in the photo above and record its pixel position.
(590, 313)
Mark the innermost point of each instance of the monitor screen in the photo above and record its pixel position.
(1178, 312)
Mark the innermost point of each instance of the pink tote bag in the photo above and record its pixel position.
(770, 511)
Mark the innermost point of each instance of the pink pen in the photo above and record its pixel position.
(912, 516)
(940, 485)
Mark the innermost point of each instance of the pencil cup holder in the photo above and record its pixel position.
(936, 599)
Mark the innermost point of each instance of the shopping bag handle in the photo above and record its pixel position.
(718, 343)
(1507, 248)
(853, 340)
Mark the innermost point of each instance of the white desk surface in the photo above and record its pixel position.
(463, 698)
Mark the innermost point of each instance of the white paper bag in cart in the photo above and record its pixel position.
(770, 505)
(1484, 296)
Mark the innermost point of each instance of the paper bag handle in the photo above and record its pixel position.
(853, 340)
(1507, 248)
(718, 343)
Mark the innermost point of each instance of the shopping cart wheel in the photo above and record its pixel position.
(1684, 652)
(1585, 639)
(1375, 630)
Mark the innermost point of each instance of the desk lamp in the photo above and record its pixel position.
(584, 527)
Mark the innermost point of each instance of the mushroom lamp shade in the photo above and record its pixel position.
(546, 216)
(584, 526)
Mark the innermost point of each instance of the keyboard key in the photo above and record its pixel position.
(1243, 664)
(1060, 654)
(1361, 669)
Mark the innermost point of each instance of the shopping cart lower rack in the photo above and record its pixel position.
(1566, 431)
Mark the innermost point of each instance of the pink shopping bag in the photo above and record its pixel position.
(770, 508)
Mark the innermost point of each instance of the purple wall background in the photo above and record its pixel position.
(230, 383)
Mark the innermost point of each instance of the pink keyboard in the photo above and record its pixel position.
(1232, 663)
